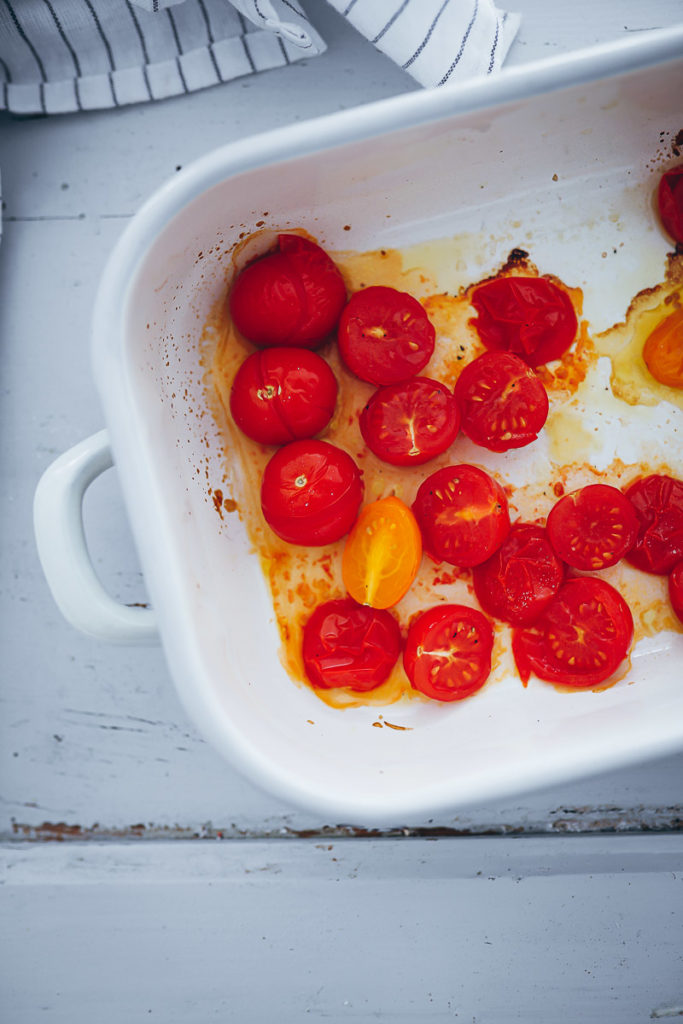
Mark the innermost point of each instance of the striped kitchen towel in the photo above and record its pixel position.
(58, 56)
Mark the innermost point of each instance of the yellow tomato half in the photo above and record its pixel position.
(663, 350)
(382, 553)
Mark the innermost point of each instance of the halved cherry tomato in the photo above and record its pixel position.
(447, 655)
(347, 644)
(410, 423)
(658, 503)
(521, 578)
(529, 316)
(382, 553)
(311, 492)
(463, 515)
(663, 350)
(580, 639)
(676, 589)
(670, 202)
(384, 335)
(291, 296)
(283, 394)
(502, 402)
(592, 528)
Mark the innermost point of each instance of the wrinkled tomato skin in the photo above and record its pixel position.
(502, 402)
(283, 394)
(385, 336)
(676, 589)
(518, 582)
(468, 637)
(587, 621)
(410, 423)
(350, 645)
(670, 203)
(592, 528)
(293, 295)
(528, 316)
(311, 492)
(463, 515)
(658, 504)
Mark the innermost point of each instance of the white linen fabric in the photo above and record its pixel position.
(59, 56)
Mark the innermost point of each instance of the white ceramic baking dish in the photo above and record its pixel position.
(560, 157)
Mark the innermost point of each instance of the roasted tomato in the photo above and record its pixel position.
(670, 202)
(580, 639)
(676, 589)
(311, 492)
(283, 394)
(658, 503)
(291, 296)
(663, 350)
(502, 402)
(382, 553)
(447, 654)
(529, 316)
(592, 528)
(520, 580)
(463, 515)
(384, 335)
(410, 423)
(347, 644)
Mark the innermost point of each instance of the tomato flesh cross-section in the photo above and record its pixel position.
(502, 402)
(410, 423)
(447, 655)
(592, 528)
(580, 639)
(382, 553)
(658, 503)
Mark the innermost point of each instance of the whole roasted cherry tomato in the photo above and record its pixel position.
(463, 515)
(670, 202)
(384, 335)
(447, 655)
(658, 503)
(291, 296)
(283, 394)
(410, 423)
(502, 402)
(676, 589)
(663, 350)
(311, 492)
(382, 553)
(347, 644)
(580, 639)
(529, 316)
(521, 578)
(592, 528)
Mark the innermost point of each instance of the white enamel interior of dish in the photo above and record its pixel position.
(488, 174)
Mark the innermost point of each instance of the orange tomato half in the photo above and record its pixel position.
(382, 553)
(663, 350)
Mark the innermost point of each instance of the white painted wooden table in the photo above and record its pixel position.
(493, 914)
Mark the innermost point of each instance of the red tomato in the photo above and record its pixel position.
(676, 589)
(502, 401)
(658, 503)
(283, 394)
(526, 315)
(347, 644)
(592, 528)
(291, 296)
(521, 578)
(463, 515)
(670, 202)
(384, 335)
(448, 652)
(311, 492)
(580, 639)
(408, 424)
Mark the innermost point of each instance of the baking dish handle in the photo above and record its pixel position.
(63, 551)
